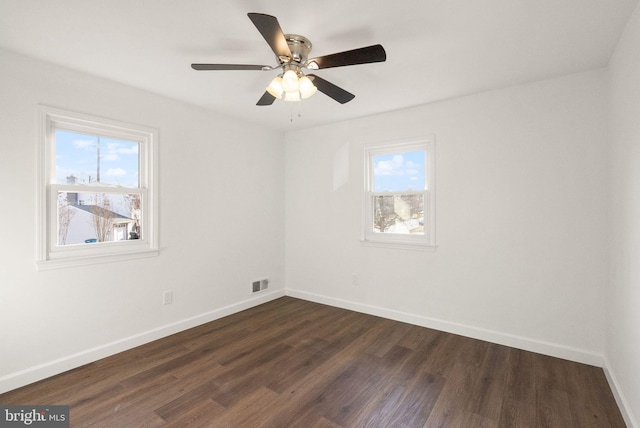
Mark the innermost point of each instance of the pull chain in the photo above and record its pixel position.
(299, 115)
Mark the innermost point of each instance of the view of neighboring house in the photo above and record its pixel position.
(96, 217)
(93, 223)
(87, 218)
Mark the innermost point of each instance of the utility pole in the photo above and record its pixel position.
(98, 171)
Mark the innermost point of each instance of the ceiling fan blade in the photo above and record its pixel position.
(366, 55)
(331, 90)
(201, 67)
(266, 100)
(270, 29)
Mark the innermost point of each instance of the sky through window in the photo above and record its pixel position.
(93, 159)
(399, 171)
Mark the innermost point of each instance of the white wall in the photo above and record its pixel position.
(623, 292)
(221, 193)
(521, 180)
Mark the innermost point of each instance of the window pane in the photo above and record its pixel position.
(399, 172)
(402, 214)
(85, 159)
(87, 218)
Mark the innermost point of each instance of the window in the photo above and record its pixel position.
(96, 191)
(400, 194)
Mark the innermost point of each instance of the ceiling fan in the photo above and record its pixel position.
(292, 53)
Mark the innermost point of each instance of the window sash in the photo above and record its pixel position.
(372, 197)
(144, 155)
(371, 235)
(55, 247)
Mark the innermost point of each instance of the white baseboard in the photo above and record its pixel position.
(519, 342)
(622, 402)
(51, 368)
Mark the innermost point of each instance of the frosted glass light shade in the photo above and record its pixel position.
(307, 88)
(290, 81)
(292, 96)
(275, 87)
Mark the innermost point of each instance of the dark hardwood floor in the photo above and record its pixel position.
(293, 363)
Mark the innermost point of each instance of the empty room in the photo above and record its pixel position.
(331, 214)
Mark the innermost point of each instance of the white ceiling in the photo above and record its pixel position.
(436, 49)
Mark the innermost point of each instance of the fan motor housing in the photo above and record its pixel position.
(299, 46)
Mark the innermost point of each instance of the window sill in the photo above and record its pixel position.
(91, 260)
(399, 245)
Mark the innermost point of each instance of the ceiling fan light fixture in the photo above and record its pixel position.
(275, 87)
(290, 81)
(292, 54)
(307, 88)
(292, 96)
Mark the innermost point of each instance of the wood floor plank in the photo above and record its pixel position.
(387, 339)
(198, 415)
(477, 421)
(184, 402)
(388, 390)
(417, 336)
(521, 377)
(488, 390)
(325, 423)
(146, 397)
(589, 404)
(417, 401)
(451, 407)
(299, 362)
(248, 411)
(517, 414)
(553, 408)
(294, 363)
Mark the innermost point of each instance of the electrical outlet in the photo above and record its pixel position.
(354, 279)
(167, 297)
(264, 284)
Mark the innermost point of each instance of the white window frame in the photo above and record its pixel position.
(50, 255)
(426, 241)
